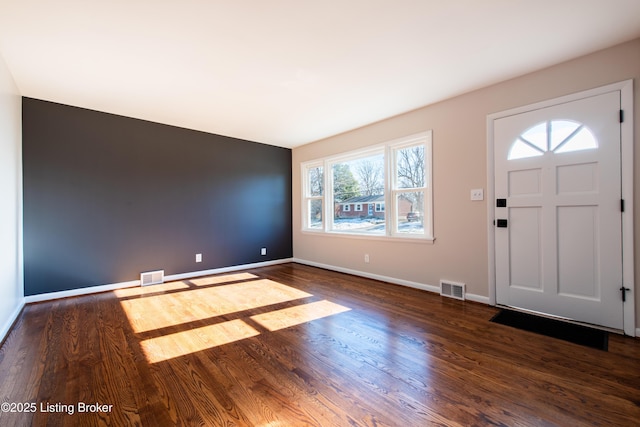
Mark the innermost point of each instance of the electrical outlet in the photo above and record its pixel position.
(366, 258)
(198, 257)
(477, 194)
(263, 251)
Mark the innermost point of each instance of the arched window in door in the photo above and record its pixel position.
(556, 136)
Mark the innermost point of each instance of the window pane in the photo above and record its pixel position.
(359, 184)
(563, 136)
(582, 140)
(410, 210)
(522, 150)
(537, 136)
(315, 214)
(316, 181)
(561, 130)
(410, 167)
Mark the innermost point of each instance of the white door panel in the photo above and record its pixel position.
(525, 242)
(559, 170)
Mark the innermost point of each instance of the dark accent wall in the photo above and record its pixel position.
(107, 197)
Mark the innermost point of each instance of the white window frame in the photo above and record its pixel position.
(391, 191)
(395, 190)
(307, 197)
(346, 207)
(358, 207)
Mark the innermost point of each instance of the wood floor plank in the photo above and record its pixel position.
(293, 345)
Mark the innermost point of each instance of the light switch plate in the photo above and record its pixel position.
(477, 194)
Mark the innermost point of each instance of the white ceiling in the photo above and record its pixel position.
(289, 72)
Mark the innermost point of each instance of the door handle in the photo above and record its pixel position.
(624, 293)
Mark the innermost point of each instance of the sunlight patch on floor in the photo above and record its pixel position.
(150, 310)
(198, 339)
(161, 311)
(287, 317)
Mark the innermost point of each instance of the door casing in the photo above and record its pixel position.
(626, 141)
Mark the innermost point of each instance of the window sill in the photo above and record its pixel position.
(332, 234)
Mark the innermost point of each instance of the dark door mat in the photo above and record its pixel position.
(576, 334)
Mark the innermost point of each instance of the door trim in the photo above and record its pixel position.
(626, 141)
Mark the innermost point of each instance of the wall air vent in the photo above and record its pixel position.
(452, 289)
(151, 277)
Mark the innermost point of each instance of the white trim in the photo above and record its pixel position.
(306, 193)
(491, 197)
(115, 286)
(6, 328)
(628, 262)
(30, 299)
(189, 275)
(387, 279)
(626, 141)
(382, 237)
(477, 298)
(424, 287)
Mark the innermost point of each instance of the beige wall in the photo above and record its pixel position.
(459, 152)
(11, 287)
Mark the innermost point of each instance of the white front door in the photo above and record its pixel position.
(558, 234)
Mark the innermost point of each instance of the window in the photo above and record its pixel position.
(408, 188)
(356, 179)
(313, 197)
(389, 186)
(556, 136)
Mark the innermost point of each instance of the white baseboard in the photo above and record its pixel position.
(189, 275)
(173, 277)
(387, 279)
(425, 287)
(478, 298)
(430, 288)
(111, 287)
(6, 327)
(81, 291)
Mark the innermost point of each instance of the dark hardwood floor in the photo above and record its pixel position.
(292, 345)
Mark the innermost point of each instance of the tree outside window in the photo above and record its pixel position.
(381, 191)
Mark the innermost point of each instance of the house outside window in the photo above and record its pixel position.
(388, 185)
